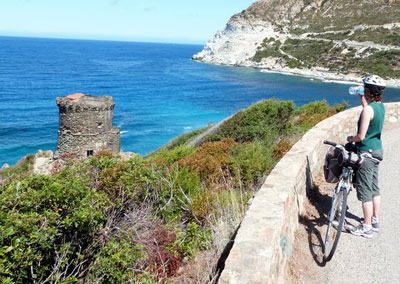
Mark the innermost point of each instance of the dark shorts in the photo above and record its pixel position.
(366, 181)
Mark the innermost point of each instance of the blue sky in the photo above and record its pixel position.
(181, 21)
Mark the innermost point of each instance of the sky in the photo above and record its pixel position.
(176, 21)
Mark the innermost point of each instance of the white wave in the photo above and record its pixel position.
(187, 127)
(340, 82)
(122, 132)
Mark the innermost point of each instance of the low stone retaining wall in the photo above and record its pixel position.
(263, 244)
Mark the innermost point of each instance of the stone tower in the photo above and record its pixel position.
(86, 125)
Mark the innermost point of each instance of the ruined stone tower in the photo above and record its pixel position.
(86, 126)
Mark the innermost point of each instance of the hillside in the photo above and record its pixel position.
(329, 39)
(163, 218)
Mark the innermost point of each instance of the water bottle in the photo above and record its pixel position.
(356, 90)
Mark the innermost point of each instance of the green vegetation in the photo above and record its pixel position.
(268, 48)
(184, 138)
(336, 15)
(384, 63)
(333, 20)
(304, 53)
(21, 169)
(332, 15)
(379, 36)
(309, 53)
(112, 221)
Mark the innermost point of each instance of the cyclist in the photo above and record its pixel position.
(368, 139)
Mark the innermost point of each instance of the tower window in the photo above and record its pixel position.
(89, 153)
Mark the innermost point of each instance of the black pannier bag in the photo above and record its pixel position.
(332, 169)
(336, 158)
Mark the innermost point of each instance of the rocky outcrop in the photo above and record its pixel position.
(330, 39)
(237, 42)
(43, 162)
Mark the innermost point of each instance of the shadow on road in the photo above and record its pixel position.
(313, 220)
(316, 215)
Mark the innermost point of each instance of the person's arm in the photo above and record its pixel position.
(366, 116)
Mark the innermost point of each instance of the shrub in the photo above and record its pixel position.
(46, 223)
(102, 160)
(262, 121)
(184, 138)
(211, 160)
(22, 169)
(126, 182)
(174, 195)
(164, 258)
(168, 157)
(252, 161)
(202, 205)
(281, 148)
(314, 112)
(193, 239)
(119, 261)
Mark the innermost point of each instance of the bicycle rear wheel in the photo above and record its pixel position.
(336, 220)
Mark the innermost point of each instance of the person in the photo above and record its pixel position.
(368, 140)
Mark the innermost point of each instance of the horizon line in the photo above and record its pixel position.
(166, 41)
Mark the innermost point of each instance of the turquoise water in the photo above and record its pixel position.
(159, 92)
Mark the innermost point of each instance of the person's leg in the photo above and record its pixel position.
(376, 196)
(376, 202)
(363, 185)
(367, 211)
(365, 228)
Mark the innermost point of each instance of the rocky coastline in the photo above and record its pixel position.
(314, 73)
(252, 30)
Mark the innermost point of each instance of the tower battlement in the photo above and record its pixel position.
(82, 102)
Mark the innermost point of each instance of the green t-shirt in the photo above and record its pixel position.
(372, 140)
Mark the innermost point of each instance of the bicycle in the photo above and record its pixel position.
(347, 162)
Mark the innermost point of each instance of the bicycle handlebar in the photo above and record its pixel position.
(330, 143)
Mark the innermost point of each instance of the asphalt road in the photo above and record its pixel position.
(360, 260)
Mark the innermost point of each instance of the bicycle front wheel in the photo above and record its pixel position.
(336, 220)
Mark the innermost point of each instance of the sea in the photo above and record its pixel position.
(159, 91)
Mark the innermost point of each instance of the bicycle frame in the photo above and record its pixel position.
(346, 178)
(344, 184)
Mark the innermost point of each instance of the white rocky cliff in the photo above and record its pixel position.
(236, 43)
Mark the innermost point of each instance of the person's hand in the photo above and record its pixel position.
(363, 100)
(350, 139)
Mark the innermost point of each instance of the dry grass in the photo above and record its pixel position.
(205, 267)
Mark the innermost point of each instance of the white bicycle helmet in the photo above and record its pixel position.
(374, 80)
(375, 85)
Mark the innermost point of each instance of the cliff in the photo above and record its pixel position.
(329, 39)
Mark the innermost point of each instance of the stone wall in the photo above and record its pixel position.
(86, 125)
(263, 244)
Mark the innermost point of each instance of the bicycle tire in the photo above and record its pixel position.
(333, 235)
